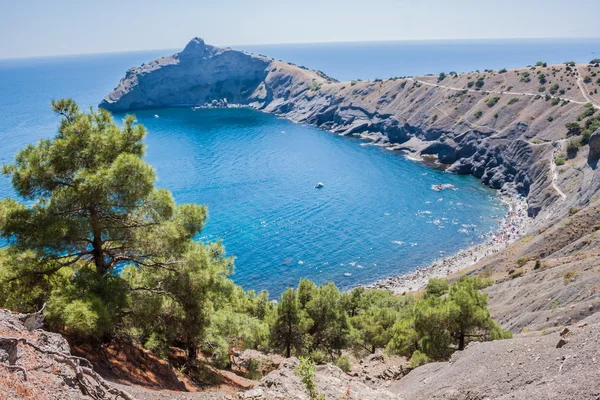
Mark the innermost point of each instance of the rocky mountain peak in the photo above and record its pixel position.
(195, 48)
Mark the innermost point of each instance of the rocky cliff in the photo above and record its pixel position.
(504, 127)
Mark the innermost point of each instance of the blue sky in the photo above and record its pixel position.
(43, 27)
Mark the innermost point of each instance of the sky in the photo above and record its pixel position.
(30, 28)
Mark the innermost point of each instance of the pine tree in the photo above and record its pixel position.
(287, 333)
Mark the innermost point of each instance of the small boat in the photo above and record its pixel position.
(155, 115)
(319, 185)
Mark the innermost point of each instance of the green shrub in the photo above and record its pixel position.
(470, 84)
(253, 369)
(513, 100)
(587, 79)
(540, 64)
(516, 273)
(344, 364)
(480, 82)
(588, 112)
(542, 79)
(525, 77)
(491, 101)
(542, 89)
(538, 264)
(418, 358)
(437, 287)
(573, 129)
(157, 344)
(441, 76)
(478, 114)
(522, 261)
(306, 372)
(559, 161)
(555, 101)
(572, 148)
(502, 71)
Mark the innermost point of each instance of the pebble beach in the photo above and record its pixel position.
(512, 227)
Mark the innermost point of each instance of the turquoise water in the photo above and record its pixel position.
(376, 216)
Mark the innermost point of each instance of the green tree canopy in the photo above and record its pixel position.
(287, 332)
(90, 210)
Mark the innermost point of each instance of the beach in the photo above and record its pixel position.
(512, 227)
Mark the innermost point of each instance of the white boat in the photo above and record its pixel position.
(319, 185)
(155, 115)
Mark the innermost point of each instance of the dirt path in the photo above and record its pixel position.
(584, 90)
(587, 97)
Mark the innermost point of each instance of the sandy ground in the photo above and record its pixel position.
(512, 227)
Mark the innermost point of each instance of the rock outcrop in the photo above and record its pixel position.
(332, 382)
(35, 364)
(494, 125)
(521, 368)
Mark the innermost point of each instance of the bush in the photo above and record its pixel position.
(344, 364)
(540, 64)
(253, 369)
(559, 161)
(538, 264)
(502, 71)
(555, 101)
(441, 76)
(516, 273)
(513, 100)
(522, 261)
(418, 358)
(542, 78)
(491, 101)
(572, 148)
(525, 77)
(542, 89)
(588, 112)
(436, 287)
(480, 82)
(573, 129)
(587, 79)
(478, 114)
(306, 372)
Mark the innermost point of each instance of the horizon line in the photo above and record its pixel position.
(296, 44)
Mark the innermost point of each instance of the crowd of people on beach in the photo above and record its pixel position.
(512, 227)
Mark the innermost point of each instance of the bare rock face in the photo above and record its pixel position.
(197, 75)
(522, 368)
(594, 153)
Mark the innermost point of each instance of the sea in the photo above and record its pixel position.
(376, 216)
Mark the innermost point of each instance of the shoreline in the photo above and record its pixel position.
(512, 227)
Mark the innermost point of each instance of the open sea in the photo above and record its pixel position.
(376, 216)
